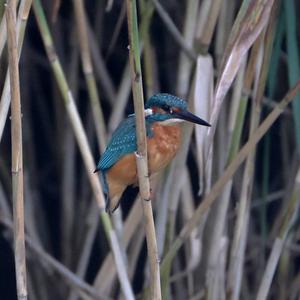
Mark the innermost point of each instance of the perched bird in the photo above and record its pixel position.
(117, 165)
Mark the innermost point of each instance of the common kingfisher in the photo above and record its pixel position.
(117, 165)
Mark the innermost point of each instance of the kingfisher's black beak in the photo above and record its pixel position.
(187, 116)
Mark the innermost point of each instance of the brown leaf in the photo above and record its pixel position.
(250, 26)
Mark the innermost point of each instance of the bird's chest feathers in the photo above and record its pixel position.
(163, 145)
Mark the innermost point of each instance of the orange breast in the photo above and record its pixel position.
(162, 148)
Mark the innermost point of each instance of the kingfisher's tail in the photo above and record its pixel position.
(112, 190)
(105, 188)
(114, 203)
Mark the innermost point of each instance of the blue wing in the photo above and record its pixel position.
(123, 141)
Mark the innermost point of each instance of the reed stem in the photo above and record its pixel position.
(228, 173)
(83, 144)
(141, 155)
(17, 152)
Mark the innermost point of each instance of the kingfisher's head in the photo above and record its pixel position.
(166, 108)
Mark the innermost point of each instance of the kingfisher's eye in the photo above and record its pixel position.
(167, 108)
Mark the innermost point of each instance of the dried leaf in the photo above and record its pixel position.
(251, 25)
(203, 97)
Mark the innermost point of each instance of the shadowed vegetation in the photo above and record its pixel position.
(225, 210)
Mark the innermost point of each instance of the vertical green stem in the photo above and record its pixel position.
(293, 60)
(142, 160)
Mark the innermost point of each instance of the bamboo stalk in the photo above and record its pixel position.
(141, 155)
(17, 152)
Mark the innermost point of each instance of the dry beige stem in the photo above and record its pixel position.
(17, 156)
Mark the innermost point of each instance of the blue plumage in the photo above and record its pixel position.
(163, 107)
(123, 141)
(163, 100)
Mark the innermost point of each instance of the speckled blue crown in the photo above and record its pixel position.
(164, 99)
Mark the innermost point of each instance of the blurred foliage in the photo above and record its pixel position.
(60, 209)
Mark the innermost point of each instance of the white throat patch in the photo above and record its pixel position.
(170, 121)
(148, 112)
